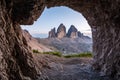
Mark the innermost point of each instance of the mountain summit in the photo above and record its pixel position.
(52, 33)
(72, 32)
(61, 32)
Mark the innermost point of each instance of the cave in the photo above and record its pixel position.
(16, 59)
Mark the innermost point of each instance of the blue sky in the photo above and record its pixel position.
(53, 17)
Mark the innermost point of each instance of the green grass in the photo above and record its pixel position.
(54, 53)
(35, 51)
(85, 54)
(59, 54)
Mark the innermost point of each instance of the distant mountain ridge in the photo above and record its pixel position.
(68, 45)
(69, 42)
(61, 32)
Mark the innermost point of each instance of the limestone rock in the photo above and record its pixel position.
(61, 31)
(80, 34)
(72, 32)
(52, 33)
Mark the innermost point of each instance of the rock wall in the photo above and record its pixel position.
(72, 32)
(16, 60)
(52, 33)
(61, 31)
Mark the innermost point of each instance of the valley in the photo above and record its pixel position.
(68, 42)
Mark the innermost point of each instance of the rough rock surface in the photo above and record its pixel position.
(52, 33)
(17, 61)
(72, 32)
(80, 34)
(61, 31)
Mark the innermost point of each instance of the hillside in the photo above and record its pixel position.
(33, 43)
(68, 45)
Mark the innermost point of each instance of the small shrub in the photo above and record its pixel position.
(54, 53)
(85, 54)
(35, 51)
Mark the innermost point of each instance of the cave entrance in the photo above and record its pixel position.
(66, 30)
(68, 36)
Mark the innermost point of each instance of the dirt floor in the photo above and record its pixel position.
(56, 68)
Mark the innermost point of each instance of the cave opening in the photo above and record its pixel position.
(66, 26)
(68, 36)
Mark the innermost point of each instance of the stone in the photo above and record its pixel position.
(52, 33)
(80, 34)
(61, 31)
(16, 59)
(72, 32)
(33, 43)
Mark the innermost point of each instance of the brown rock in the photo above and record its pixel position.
(33, 43)
(61, 31)
(16, 59)
(52, 33)
(72, 32)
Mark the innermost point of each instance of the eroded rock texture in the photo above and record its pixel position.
(15, 58)
(61, 31)
(72, 32)
(52, 33)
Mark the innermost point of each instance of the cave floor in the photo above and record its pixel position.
(56, 68)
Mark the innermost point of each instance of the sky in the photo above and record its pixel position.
(53, 17)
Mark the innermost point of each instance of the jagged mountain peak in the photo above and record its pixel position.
(61, 32)
(52, 33)
(72, 32)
